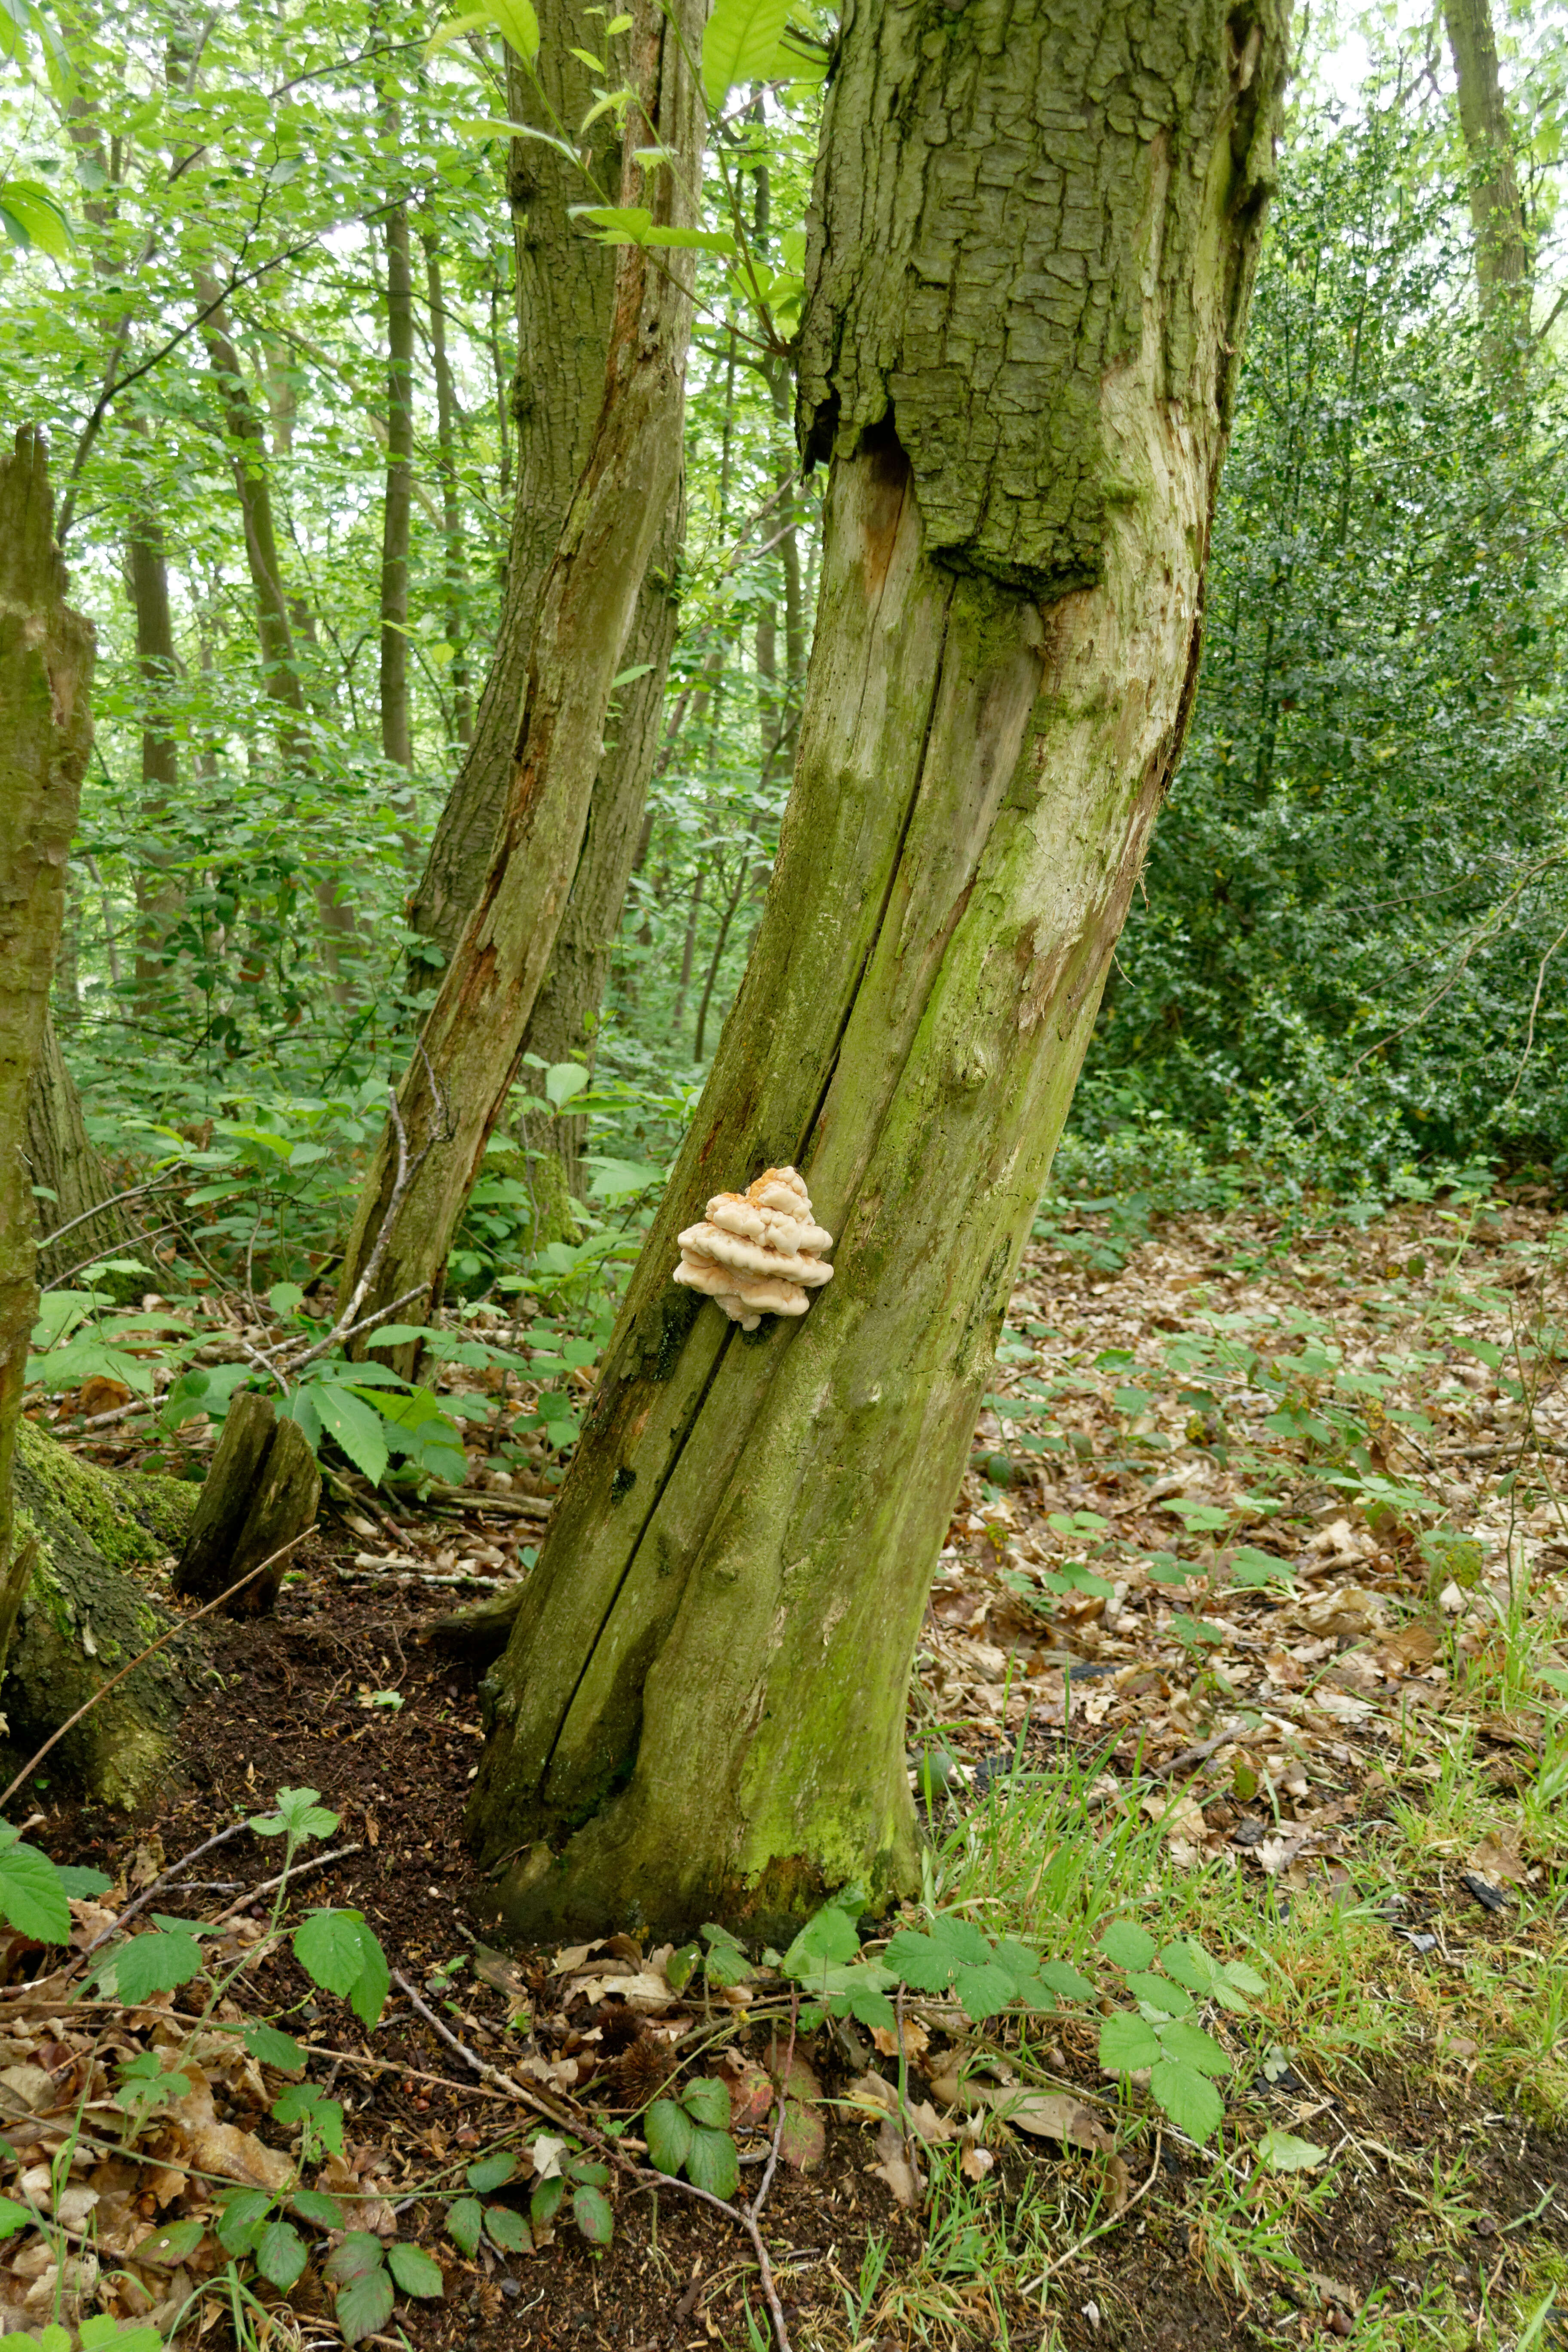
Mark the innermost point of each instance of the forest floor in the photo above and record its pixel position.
(1250, 1628)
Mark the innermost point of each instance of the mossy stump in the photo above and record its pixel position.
(86, 1613)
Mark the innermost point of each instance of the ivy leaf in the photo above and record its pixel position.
(1188, 2098)
(416, 2272)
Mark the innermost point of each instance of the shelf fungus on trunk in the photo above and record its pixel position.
(758, 1252)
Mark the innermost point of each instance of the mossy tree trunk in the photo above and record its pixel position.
(456, 1086)
(45, 733)
(71, 1183)
(1033, 238)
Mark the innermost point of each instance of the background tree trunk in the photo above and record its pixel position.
(396, 740)
(455, 569)
(279, 656)
(45, 733)
(159, 896)
(456, 1086)
(63, 1162)
(1502, 249)
(1037, 235)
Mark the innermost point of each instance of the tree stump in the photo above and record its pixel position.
(261, 1492)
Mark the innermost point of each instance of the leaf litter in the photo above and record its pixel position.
(1245, 1526)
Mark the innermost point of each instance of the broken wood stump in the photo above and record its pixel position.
(262, 1491)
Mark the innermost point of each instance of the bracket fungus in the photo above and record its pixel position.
(758, 1252)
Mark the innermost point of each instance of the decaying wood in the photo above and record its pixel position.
(262, 1492)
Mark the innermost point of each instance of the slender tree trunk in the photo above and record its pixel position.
(158, 897)
(45, 732)
(456, 1089)
(279, 659)
(455, 569)
(702, 1712)
(1502, 249)
(396, 740)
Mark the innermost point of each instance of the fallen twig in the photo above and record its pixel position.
(295, 1870)
(743, 2216)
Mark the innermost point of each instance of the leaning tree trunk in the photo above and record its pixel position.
(45, 733)
(456, 1086)
(1032, 247)
(565, 303)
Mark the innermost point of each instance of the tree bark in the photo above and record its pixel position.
(64, 1163)
(280, 675)
(1502, 249)
(397, 511)
(455, 569)
(1031, 248)
(457, 1087)
(158, 897)
(45, 733)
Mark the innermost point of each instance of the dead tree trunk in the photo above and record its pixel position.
(1033, 241)
(262, 1491)
(45, 733)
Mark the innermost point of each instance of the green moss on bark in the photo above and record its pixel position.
(87, 1613)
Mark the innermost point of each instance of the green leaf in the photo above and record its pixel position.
(1245, 1979)
(739, 44)
(1126, 2044)
(148, 1964)
(465, 2220)
(491, 2171)
(591, 2212)
(1065, 1980)
(172, 2243)
(1128, 1945)
(354, 1425)
(1281, 2151)
(300, 1814)
(271, 2048)
(985, 1991)
(78, 1882)
(564, 1079)
(302, 2103)
(508, 2228)
(1189, 2045)
(416, 2272)
(32, 1899)
(315, 2206)
(714, 2162)
(668, 2129)
(359, 2255)
(364, 2308)
(1159, 1992)
(337, 1949)
(1189, 1965)
(827, 1936)
(281, 2254)
(707, 2102)
(1188, 2098)
(30, 216)
(240, 2220)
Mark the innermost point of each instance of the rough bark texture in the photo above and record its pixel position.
(62, 1160)
(455, 567)
(86, 1615)
(45, 733)
(701, 1712)
(456, 1086)
(263, 1489)
(1503, 251)
(565, 298)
